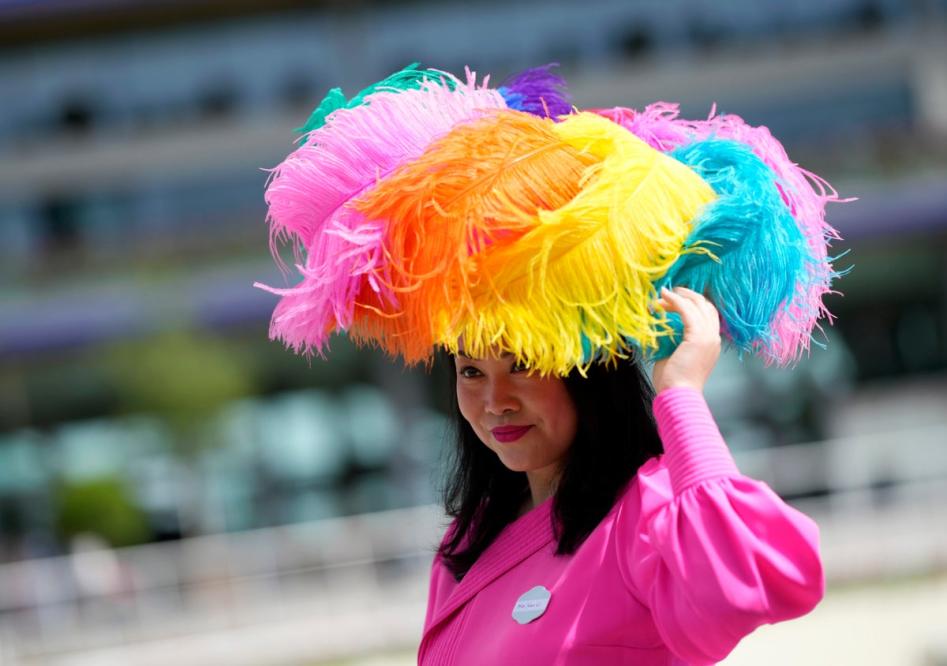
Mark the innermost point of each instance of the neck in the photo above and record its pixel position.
(542, 484)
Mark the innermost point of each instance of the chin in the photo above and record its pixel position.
(519, 465)
(512, 465)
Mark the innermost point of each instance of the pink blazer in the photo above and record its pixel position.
(692, 558)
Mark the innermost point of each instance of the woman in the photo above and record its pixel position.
(577, 541)
(434, 212)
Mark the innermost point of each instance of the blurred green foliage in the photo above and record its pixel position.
(103, 507)
(182, 376)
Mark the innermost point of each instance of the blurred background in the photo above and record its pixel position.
(175, 486)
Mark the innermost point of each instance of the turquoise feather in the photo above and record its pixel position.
(761, 257)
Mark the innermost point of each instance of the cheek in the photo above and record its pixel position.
(568, 428)
(568, 419)
(467, 403)
(563, 418)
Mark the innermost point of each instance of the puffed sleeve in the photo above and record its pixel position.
(713, 554)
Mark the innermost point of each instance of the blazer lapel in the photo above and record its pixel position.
(518, 540)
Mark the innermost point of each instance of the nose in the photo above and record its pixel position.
(500, 398)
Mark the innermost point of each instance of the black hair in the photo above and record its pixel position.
(616, 434)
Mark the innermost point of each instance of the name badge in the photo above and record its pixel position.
(531, 604)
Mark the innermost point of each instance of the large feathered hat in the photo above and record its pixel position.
(429, 208)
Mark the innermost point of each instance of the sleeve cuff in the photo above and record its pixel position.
(693, 446)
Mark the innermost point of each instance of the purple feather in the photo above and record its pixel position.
(538, 91)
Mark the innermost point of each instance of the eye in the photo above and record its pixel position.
(468, 371)
(519, 367)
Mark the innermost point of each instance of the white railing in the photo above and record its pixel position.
(880, 500)
(98, 598)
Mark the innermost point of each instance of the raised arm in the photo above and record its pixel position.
(712, 553)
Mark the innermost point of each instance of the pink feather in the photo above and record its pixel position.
(310, 192)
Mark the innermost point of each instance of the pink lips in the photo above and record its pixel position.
(509, 433)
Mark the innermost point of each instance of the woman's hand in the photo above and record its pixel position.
(697, 354)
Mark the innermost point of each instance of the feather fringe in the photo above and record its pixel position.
(427, 209)
(657, 125)
(760, 260)
(583, 275)
(802, 192)
(409, 78)
(481, 186)
(537, 91)
(309, 194)
(805, 195)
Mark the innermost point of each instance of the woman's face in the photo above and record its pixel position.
(529, 421)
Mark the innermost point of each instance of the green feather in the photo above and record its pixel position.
(409, 78)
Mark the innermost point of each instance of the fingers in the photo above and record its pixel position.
(697, 313)
(685, 307)
(706, 307)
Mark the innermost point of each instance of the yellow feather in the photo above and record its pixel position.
(587, 267)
